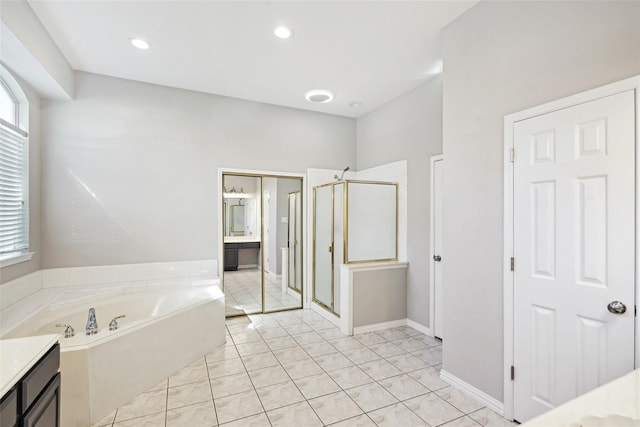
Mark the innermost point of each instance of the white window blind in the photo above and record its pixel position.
(14, 211)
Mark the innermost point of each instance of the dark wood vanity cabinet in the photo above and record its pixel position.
(35, 400)
(231, 256)
(231, 253)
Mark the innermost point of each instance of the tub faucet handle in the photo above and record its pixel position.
(92, 323)
(113, 325)
(68, 332)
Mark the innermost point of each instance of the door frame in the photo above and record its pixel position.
(632, 83)
(432, 263)
(220, 208)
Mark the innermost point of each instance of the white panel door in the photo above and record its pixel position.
(574, 228)
(438, 328)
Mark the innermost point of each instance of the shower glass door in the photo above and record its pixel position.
(294, 273)
(323, 247)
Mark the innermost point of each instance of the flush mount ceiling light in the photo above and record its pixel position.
(283, 32)
(319, 96)
(140, 44)
(355, 104)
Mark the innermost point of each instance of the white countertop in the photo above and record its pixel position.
(18, 355)
(614, 404)
(241, 239)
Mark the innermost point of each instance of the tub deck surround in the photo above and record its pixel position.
(19, 355)
(166, 328)
(616, 403)
(175, 314)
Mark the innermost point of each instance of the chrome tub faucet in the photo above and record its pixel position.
(92, 323)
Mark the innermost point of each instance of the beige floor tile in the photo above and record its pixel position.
(488, 418)
(333, 361)
(190, 374)
(290, 354)
(237, 406)
(350, 377)
(371, 396)
(395, 416)
(154, 420)
(429, 377)
(268, 376)
(361, 355)
(279, 395)
(316, 385)
(201, 415)
(379, 369)
(319, 348)
(406, 362)
(231, 384)
(433, 409)
(281, 342)
(259, 420)
(107, 420)
(359, 421)
(189, 394)
(145, 404)
(404, 387)
(298, 414)
(302, 368)
(369, 338)
(259, 361)
(334, 407)
(461, 422)
(459, 399)
(223, 353)
(225, 367)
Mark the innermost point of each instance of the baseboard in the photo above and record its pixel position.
(247, 266)
(482, 397)
(420, 328)
(379, 326)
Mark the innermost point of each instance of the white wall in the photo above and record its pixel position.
(130, 169)
(502, 57)
(409, 127)
(28, 50)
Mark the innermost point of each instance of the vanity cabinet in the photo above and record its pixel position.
(232, 254)
(9, 409)
(34, 401)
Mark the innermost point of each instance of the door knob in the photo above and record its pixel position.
(437, 258)
(616, 307)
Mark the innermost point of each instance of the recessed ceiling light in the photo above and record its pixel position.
(283, 32)
(319, 96)
(140, 44)
(355, 104)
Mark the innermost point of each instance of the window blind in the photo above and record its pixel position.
(14, 212)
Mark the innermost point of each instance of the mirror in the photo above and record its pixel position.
(241, 207)
(237, 220)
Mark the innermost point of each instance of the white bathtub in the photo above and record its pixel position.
(164, 330)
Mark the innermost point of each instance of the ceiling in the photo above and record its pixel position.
(362, 51)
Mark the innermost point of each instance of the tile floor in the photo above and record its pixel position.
(243, 293)
(296, 369)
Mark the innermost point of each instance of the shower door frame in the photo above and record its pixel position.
(221, 219)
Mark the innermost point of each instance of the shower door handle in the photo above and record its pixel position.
(437, 258)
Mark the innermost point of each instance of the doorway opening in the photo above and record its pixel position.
(257, 219)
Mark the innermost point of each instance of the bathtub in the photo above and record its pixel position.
(164, 330)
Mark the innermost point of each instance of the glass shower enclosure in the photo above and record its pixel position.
(353, 222)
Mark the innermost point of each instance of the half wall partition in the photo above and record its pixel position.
(354, 222)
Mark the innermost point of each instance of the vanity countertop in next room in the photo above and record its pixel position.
(18, 355)
(241, 239)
